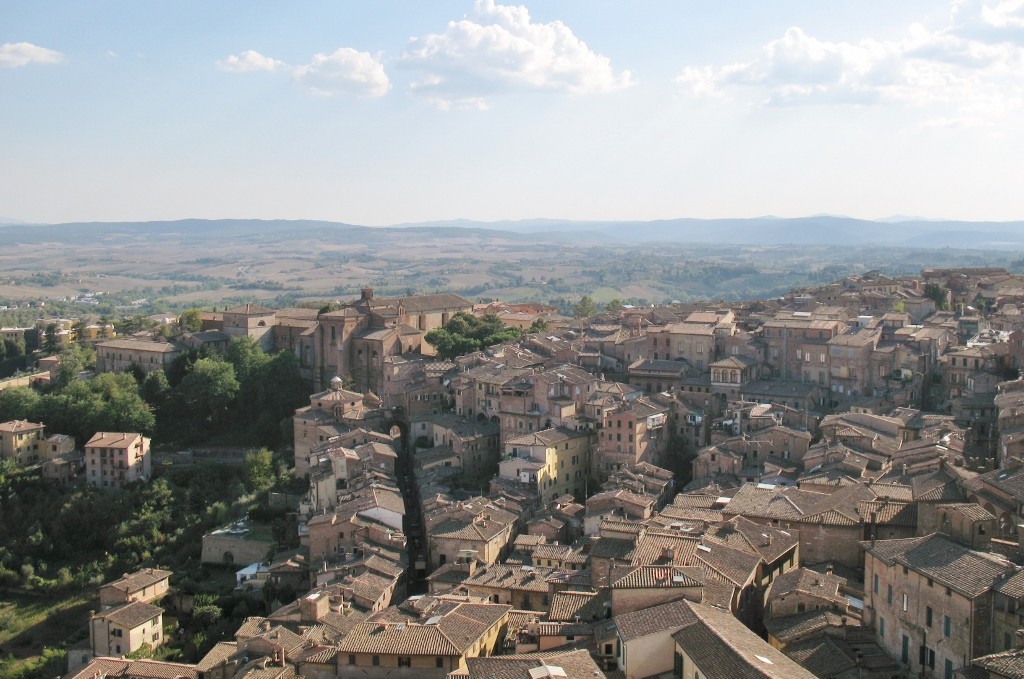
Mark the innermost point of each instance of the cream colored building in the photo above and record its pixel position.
(431, 646)
(113, 459)
(121, 354)
(124, 629)
(22, 441)
(146, 585)
(553, 461)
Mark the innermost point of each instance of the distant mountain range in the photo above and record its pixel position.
(816, 230)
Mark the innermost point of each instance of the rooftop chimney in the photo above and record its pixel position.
(366, 294)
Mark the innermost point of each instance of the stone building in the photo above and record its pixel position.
(930, 601)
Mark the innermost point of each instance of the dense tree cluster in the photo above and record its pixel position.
(12, 357)
(243, 396)
(108, 402)
(466, 333)
(56, 539)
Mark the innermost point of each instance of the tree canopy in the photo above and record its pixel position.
(585, 307)
(466, 333)
(244, 395)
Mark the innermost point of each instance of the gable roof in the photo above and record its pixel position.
(948, 563)
(139, 580)
(449, 634)
(576, 664)
(130, 615)
(647, 621)
(716, 641)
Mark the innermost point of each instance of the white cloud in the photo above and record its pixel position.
(249, 60)
(971, 66)
(346, 71)
(15, 54)
(1001, 21)
(499, 48)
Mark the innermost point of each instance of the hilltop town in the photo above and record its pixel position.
(824, 484)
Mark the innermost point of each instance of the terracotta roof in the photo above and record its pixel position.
(140, 345)
(421, 303)
(449, 634)
(664, 547)
(811, 583)
(118, 440)
(822, 656)
(134, 669)
(889, 513)
(546, 437)
(569, 605)
(718, 642)
(969, 510)
(139, 580)
(15, 426)
(741, 533)
(950, 564)
(1005, 664)
(643, 577)
(647, 621)
(731, 565)
(502, 576)
(576, 664)
(220, 652)
(791, 628)
(1012, 586)
(250, 309)
(318, 654)
(130, 615)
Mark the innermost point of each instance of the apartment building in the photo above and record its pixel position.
(930, 601)
(114, 459)
(121, 354)
(22, 441)
(553, 462)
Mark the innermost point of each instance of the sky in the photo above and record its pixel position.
(401, 111)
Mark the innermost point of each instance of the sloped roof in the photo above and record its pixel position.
(822, 656)
(139, 580)
(130, 615)
(947, 562)
(811, 583)
(1005, 664)
(576, 664)
(717, 642)
(789, 628)
(652, 620)
(448, 634)
(568, 605)
(644, 577)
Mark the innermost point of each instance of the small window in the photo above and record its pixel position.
(440, 661)
(376, 660)
(351, 659)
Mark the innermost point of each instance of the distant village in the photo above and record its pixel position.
(828, 484)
